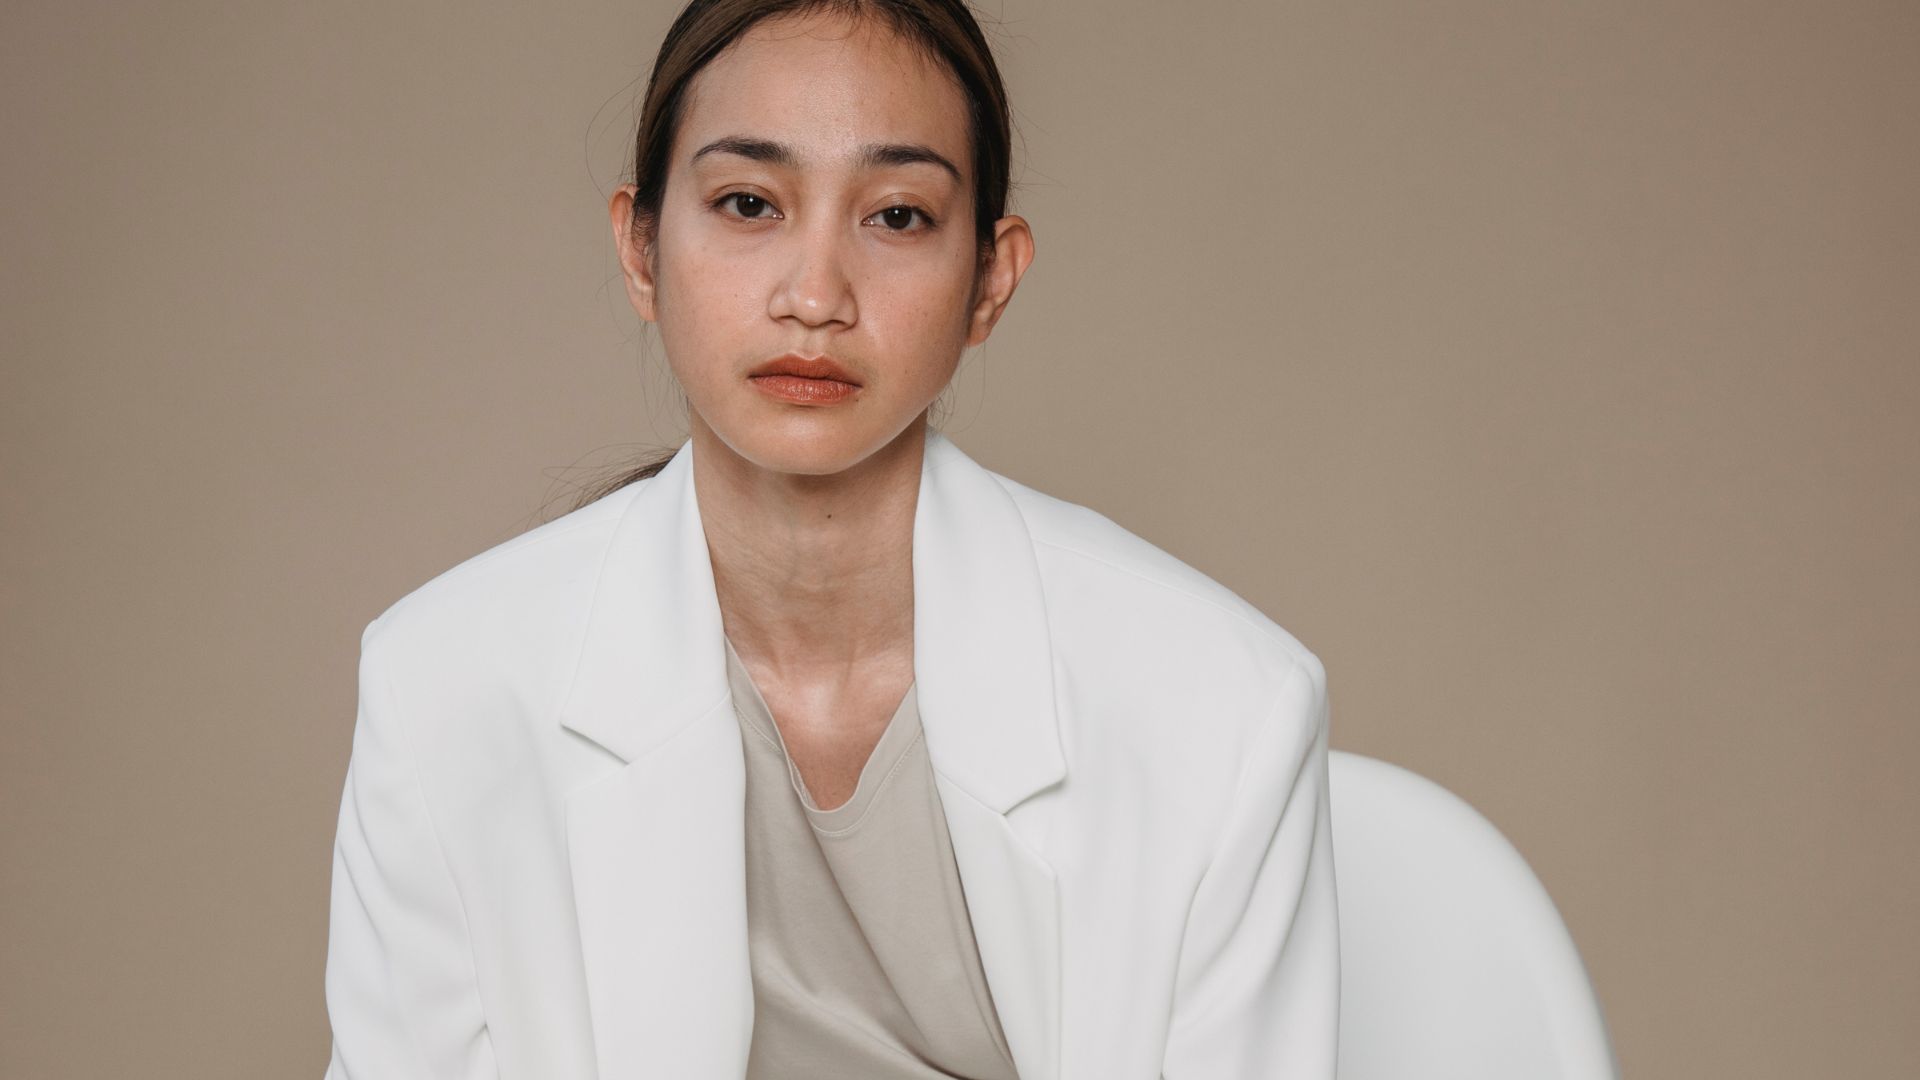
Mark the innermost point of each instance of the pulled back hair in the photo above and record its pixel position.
(944, 30)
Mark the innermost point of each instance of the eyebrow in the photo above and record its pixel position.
(872, 155)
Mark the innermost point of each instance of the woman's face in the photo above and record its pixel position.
(818, 206)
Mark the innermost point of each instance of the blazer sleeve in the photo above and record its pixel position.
(401, 991)
(1257, 988)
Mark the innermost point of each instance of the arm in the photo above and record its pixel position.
(1257, 990)
(400, 985)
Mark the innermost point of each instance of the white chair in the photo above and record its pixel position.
(1454, 963)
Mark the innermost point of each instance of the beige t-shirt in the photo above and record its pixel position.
(864, 963)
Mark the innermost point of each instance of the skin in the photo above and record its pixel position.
(808, 509)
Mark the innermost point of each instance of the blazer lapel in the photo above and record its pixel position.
(661, 900)
(658, 872)
(656, 851)
(984, 672)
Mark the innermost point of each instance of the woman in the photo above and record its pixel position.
(819, 750)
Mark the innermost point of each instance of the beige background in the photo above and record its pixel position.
(1550, 369)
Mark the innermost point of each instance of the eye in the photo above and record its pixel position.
(744, 204)
(899, 218)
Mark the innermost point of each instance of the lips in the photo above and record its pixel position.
(801, 367)
(802, 380)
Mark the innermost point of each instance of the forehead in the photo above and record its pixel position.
(825, 84)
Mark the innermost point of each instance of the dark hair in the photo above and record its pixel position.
(944, 29)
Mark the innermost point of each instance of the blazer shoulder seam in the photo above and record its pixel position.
(1291, 649)
(453, 574)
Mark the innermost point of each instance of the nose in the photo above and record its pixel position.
(815, 288)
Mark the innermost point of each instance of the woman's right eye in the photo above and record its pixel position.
(745, 204)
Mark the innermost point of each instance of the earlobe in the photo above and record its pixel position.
(636, 268)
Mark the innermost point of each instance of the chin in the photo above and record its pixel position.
(821, 444)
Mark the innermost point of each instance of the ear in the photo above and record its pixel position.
(1012, 254)
(636, 265)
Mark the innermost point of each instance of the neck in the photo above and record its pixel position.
(813, 574)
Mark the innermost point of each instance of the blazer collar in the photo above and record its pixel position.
(654, 655)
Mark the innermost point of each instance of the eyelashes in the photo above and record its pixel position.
(897, 218)
(745, 204)
(900, 211)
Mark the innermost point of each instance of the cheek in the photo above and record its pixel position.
(690, 277)
(703, 304)
(925, 302)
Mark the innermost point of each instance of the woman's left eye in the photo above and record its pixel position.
(900, 218)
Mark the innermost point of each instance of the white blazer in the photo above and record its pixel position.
(538, 873)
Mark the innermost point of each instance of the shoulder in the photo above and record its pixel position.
(1081, 546)
(1151, 638)
(502, 610)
